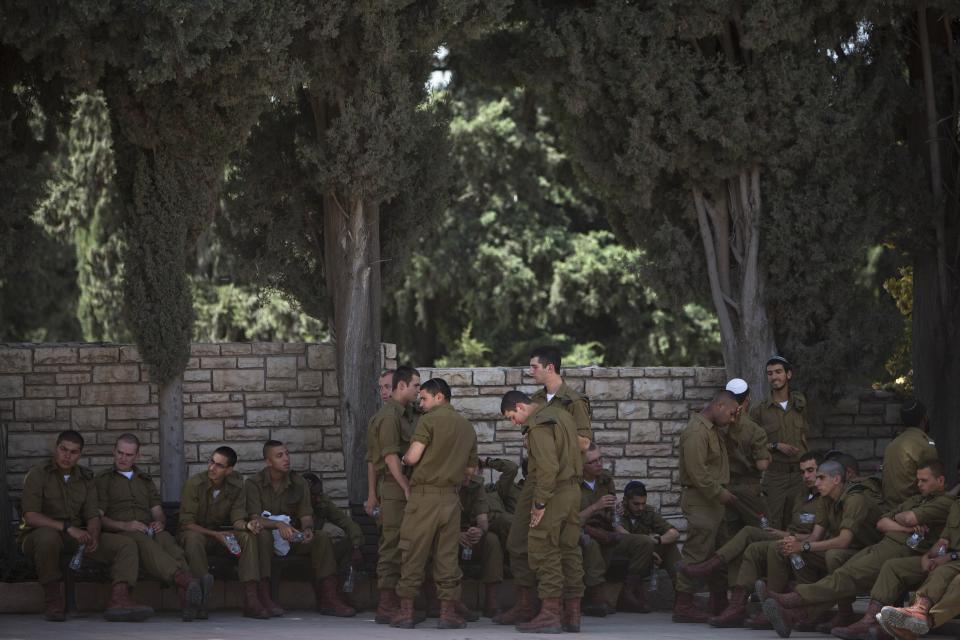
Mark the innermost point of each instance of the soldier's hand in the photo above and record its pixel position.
(465, 539)
(536, 515)
(286, 531)
(157, 526)
(788, 449)
(474, 534)
(657, 560)
(369, 505)
(727, 498)
(78, 534)
(607, 501)
(254, 526)
(93, 543)
(137, 526)
(308, 535)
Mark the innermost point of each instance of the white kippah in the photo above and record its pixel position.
(737, 386)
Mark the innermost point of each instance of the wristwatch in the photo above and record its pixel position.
(954, 556)
(773, 446)
(539, 505)
(66, 525)
(806, 547)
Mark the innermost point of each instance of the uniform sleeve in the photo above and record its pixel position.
(103, 492)
(304, 507)
(388, 437)
(474, 460)
(91, 506)
(543, 449)
(252, 494)
(189, 504)
(952, 530)
(339, 517)
(32, 499)
(933, 513)
(758, 444)
(660, 525)
(856, 512)
(580, 410)
(424, 431)
(480, 504)
(238, 510)
(155, 499)
(695, 450)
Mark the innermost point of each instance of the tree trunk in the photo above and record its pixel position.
(351, 231)
(173, 464)
(6, 531)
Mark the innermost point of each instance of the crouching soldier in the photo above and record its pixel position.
(60, 513)
(639, 518)
(213, 500)
(347, 548)
(483, 544)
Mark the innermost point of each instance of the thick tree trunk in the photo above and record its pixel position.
(351, 230)
(173, 463)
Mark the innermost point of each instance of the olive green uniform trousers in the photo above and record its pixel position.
(746, 510)
(160, 556)
(197, 547)
(392, 503)
(704, 536)
(320, 549)
(782, 486)
(523, 575)
(45, 545)
(431, 528)
(634, 550)
(943, 589)
(553, 545)
(489, 553)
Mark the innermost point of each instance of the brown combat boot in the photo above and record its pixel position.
(547, 621)
(913, 620)
(252, 608)
(329, 600)
(782, 618)
(685, 611)
(594, 604)
(450, 617)
(54, 603)
(863, 627)
(718, 602)
(702, 570)
(843, 617)
(404, 618)
(571, 615)
(463, 611)
(736, 611)
(206, 586)
(190, 592)
(266, 599)
(633, 596)
(123, 608)
(522, 611)
(490, 609)
(387, 607)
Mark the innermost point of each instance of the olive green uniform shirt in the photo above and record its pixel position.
(473, 500)
(47, 493)
(127, 500)
(554, 451)
(451, 447)
(389, 432)
(746, 443)
(784, 425)
(603, 518)
(857, 509)
(292, 499)
(573, 403)
(931, 510)
(648, 523)
(328, 511)
(199, 505)
(805, 512)
(900, 461)
(502, 496)
(951, 530)
(704, 464)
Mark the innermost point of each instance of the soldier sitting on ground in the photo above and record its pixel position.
(502, 496)
(483, 544)
(213, 509)
(346, 547)
(60, 513)
(130, 504)
(640, 518)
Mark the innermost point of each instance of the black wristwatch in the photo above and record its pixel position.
(773, 446)
(806, 547)
(954, 556)
(66, 525)
(539, 505)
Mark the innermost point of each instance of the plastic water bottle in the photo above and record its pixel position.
(764, 521)
(232, 544)
(796, 560)
(150, 532)
(77, 558)
(942, 551)
(349, 581)
(298, 536)
(376, 512)
(616, 516)
(914, 540)
(654, 579)
(466, 553)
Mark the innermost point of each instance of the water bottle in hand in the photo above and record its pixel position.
(376, 512)
(764, 521)
(466, 553)
(298, 536)
(616, 516)
(350, 580)
(796, 561)
(77, 558)
(232, 544)
(654, 582)
(914, 540)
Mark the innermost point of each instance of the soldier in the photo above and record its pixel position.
(277, 491)
(748, 455)
(752, 553)
(385, 385)
(346, 548)
(784, 418)
(502, 496)
(130, 504)
(908, 450)
(704, 474)
(605, 543)
(545, 370)
(213, 500)
(484, 544)
(552, 499)
(641, 519)
(60, 513)
(388, 436)
(443, 451)
(925, 512)
(937, 600)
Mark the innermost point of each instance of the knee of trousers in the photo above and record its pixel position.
(193, 541)
(44, 542)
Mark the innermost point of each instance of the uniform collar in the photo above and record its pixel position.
(137, 472)
(232, 481)
(699, 417)
(263, 479)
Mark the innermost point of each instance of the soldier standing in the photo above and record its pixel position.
(749, 456)
(60, 513)
(443, 451)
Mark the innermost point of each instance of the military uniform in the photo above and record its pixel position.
(502, 498)
(704, 472)
(860, 572)
(488, 551)
(328, 512)
(72, 500)
(942, 587)
(901, 458)
(781, 482)
(291, 499)
(388, 433)
(746, 444)
(650, 523)
(577, 405)
(431, 522)
(205, 506)
(132, 500)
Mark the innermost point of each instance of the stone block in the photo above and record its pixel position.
(848, 405)
(514, 377)
(670, 410)
(30, 445)
(389, 351)
(489, 377)
(204, 349)
(657, 389)
(872, 409)
(35, 410)
(281, 384)
(455, 377)
(326, 461)
(608, 389)
(268, 417)
(605, 372)
(892, 413)
(99, 355)
(250, 452)
(116, 373)
(310, 381)
(334, 487)
(264, 348)
(281, 367)
(610, 437)
(130, 354)
(322, 356)
(11, 386)
(486, 431)
(298, 439)
(196, 387)
(699, 393)
(145, 412)
(210, 397)
(332, 443)
(221, 409)
(88, 418)
(238, 380)
(196, 375)
(249, 363)
(635, 467)
(573, 372)
(661, 450)
(312, 417)
(73, 378)
(115, 394)
(715, 377)
(671, 427)
(15, 360)
(331, 387)
(55, 355)
(644, 431)
(861, 449)
(218, 362)
(603, 413)
(203, 431)
(235, 348)
(259, 400)
(478, 408)
(633, 410)
(246, 433)
(294, 347)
